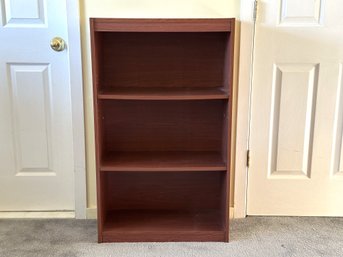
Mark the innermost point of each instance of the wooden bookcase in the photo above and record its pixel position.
(162, 105)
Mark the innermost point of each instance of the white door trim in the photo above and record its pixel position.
(243, 107)
(75, 61)
(37, 215)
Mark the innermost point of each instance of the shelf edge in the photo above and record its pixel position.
(166, 169)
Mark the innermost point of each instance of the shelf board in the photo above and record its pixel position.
(162, 25)
(163, 225)
(163, 161)
(143, 93)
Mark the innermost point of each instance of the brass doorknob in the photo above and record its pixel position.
(57, 44)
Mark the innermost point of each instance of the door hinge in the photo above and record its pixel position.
(255, 10)
(248, 158)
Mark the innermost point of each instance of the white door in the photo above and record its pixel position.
(36, 150)
(296, 153)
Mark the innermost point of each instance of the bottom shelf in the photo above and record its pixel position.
(163, 225)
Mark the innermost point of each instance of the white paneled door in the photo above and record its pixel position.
(296, 150)
(36, 149)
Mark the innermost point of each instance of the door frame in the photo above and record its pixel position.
(78, 124)
(243, 107)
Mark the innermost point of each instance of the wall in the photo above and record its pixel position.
(134, 9)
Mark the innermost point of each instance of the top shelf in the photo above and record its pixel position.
(162, 25)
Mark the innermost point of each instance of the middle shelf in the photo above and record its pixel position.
(163, 93)
(163, 161)
(163, 135)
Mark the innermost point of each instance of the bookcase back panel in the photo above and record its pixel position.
(163, 125)
(163, 59)
(164, 190)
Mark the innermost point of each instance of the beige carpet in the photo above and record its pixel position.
(250, 237)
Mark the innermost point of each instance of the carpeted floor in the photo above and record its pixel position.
(250, 237)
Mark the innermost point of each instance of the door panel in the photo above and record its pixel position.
(23, 13)
(337, 157)
(30, 90)
(308, 13)
(293, 100)
(296, 122)
(36, 150)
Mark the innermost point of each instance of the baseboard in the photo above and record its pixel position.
(37, 215)
(91, 213)
(231, 213)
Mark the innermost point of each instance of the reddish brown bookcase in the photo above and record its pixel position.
(162, 107)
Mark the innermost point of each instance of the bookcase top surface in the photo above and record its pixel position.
(162, 25)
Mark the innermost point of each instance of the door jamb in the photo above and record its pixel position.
(76, 87)
(243, 107)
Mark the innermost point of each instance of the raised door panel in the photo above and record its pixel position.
(308, 13)
(31, 113)
(293, 106)
(337, 149)
(23, 13)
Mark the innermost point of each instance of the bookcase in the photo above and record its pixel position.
(162, 107)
